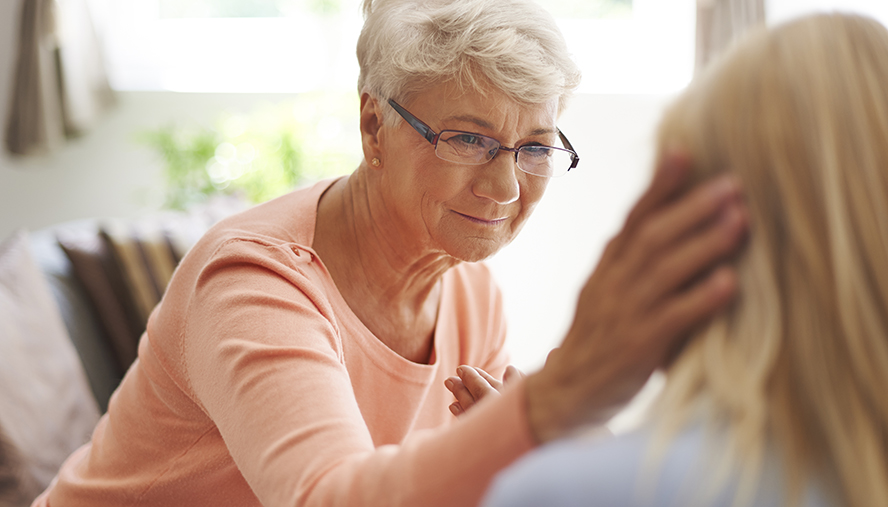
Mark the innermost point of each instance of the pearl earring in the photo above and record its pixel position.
(375, 162)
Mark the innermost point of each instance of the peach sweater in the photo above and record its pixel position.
(257, 385)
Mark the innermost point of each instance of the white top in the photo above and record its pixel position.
(621, 471)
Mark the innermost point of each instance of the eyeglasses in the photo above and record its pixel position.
(475, 149)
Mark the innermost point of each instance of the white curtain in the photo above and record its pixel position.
(721, 22)
(60, 86)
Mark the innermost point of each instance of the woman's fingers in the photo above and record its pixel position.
(693, 306)
(476, 383)
(656, 281)
(491, 380)
(473, 384)
(463, 397)
(512, 374)
(694, 234)
(687, 260)
(674, 223)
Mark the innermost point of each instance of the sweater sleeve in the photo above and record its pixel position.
(261, 356)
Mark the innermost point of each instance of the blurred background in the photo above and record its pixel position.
(256, 97)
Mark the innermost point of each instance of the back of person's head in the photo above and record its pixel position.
(799, 114)
(514, 45)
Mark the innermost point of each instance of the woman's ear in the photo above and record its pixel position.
(371, 123)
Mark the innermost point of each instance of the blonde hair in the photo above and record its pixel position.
(515, 45)
(800, 115)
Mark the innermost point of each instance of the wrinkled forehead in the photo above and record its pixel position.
(485, 105)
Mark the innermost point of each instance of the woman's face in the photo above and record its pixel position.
(468, 212)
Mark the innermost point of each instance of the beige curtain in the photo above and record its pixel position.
(60, 86)
(720, 22)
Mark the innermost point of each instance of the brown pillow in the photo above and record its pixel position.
(99, 273)
(125, 246)
(126, 265)
(159, 257)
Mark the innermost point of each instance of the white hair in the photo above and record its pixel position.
(514, 45)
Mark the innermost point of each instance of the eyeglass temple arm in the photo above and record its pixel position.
(573, 155)
(423, 129)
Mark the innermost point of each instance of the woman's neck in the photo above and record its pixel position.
(387, 279)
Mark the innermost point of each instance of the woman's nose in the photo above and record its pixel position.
(497, 180)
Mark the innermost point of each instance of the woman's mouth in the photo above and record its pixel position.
(482, 221)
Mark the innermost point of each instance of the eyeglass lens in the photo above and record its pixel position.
(474, 149)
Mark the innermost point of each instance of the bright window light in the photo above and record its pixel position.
(779, 11)
(651, 52)
(622, 46)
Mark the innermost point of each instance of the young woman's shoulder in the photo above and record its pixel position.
(629, 471)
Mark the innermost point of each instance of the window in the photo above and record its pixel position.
(291, 46)
(649, 50)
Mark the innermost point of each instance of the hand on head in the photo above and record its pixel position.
(662, 275)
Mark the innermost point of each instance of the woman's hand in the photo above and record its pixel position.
(662, 275)
(472, 384)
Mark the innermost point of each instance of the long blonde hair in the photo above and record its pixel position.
(800, 114)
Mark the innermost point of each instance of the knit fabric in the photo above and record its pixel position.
(257, 385)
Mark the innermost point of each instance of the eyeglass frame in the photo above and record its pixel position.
(432, 137)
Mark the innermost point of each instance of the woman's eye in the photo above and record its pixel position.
(466, 139)
(536, 151)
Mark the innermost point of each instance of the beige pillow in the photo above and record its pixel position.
(46, 407)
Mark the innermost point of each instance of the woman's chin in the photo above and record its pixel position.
(475, 249)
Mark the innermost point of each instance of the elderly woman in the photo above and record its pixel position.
(779, 401)
(300, 352)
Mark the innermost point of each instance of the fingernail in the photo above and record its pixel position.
(726, 186)
(460, 370)
(675, 160)
(723, 281)
(675, 152)
(730, 215)
(454, 409)
(448, 384)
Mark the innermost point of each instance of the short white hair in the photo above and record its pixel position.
(515, 45)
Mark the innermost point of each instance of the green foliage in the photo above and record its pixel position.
(261, 155)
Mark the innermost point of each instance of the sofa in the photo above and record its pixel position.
(74, 300)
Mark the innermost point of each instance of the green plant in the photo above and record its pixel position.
(260, 155)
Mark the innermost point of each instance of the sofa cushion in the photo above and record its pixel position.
(79, 314)
(46, 407)
(130, 246)
(100, 274)
(124, 266)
